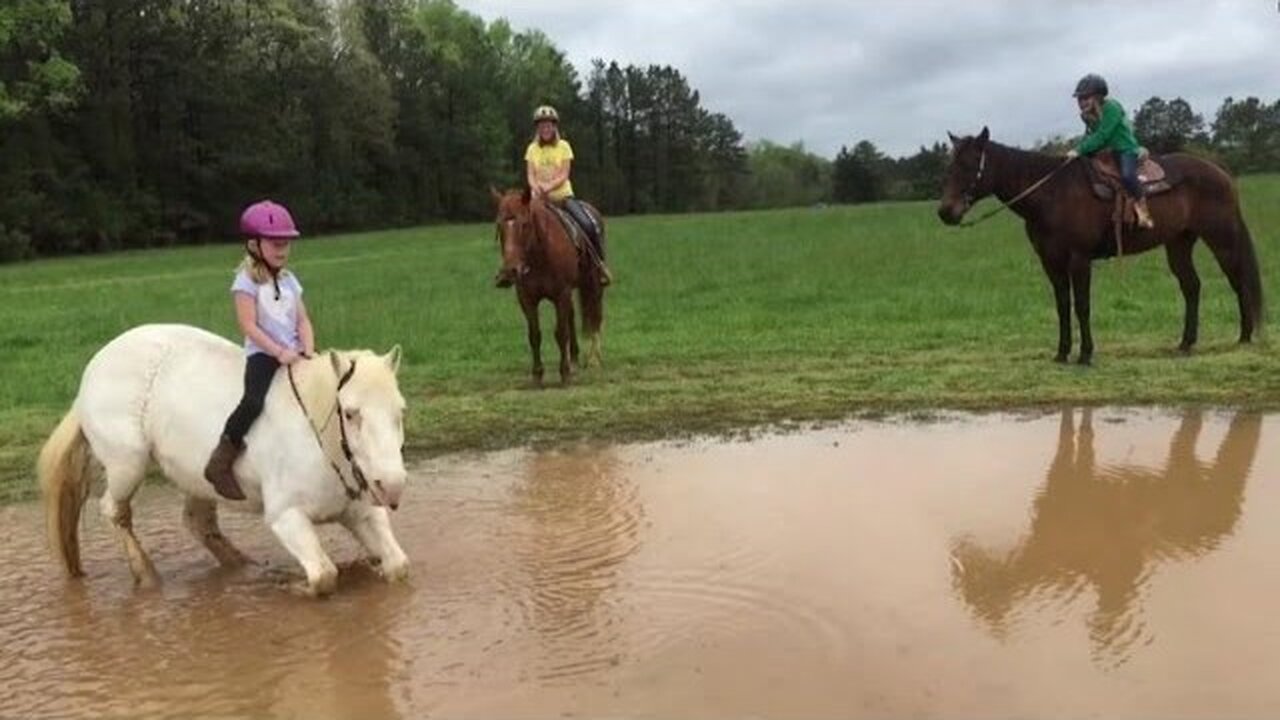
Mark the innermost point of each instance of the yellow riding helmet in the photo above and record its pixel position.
(546, 112)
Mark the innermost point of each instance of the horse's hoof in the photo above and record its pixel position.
(396, 573)
(1085, 361)
(1184, 350)
(1061, 359)
(323, 586)
(147, 581)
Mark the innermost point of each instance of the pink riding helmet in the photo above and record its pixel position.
(266, 219)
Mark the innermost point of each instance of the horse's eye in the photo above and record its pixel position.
(351, 415)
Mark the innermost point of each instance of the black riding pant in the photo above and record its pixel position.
(259, 371)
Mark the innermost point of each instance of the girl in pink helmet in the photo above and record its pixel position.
(277, 330)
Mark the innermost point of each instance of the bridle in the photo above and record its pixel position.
(361, 485)
(970, 193)
(527, 240)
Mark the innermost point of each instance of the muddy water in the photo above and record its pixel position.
(1090, 563)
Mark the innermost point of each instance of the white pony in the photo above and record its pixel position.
(327, 449)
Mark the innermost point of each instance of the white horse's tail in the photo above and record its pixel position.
(64, 472)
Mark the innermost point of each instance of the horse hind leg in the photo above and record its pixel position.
(123, 479)
(564, 331)
(1226, 250)
(596, 350)
(201, 518)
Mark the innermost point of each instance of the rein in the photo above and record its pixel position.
(357, 475)
(1017, 198)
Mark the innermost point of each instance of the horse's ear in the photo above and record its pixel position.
(526, 196)
(985, 135)
(493, 192)
(954, 140)
(393, 359)
(336, 362)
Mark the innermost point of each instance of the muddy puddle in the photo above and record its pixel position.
(1085, 563)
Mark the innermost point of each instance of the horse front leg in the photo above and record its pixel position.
(1182, 265)
(372, 527)
(529, 305)
(298, 535)
(564, 333)
(1061, 282)
(1081, 279)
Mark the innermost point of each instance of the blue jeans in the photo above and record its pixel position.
(1128, 163)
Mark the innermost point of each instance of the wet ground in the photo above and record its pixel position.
(1109, 563)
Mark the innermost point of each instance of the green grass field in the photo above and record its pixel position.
(717, 322)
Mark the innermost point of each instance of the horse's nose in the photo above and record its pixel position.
(947, 215)
(504, 278)
(388, 493)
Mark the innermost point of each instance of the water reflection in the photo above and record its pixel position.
(224, 647)
(581, 514)
(1106, 527)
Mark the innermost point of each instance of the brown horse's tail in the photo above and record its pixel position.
(1251, 276)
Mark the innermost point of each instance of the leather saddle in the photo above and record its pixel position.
(578, 235)
(1104, 176)
(1105, 179)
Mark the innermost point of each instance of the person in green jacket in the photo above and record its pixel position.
(1108, 128)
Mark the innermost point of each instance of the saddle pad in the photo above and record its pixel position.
(576, 234)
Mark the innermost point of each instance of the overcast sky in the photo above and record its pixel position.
(902, 73)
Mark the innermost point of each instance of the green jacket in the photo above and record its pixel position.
(1112, 132)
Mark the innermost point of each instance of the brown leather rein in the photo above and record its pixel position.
(982, 166)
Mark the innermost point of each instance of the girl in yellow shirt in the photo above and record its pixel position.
(548, 163)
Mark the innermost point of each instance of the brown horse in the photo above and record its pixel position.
(1069, 227)
(541, 260)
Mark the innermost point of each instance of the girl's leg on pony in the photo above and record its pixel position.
(259, 371)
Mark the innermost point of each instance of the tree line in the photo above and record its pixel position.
(137, 123)
(141, 123)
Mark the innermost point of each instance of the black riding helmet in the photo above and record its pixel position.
(1091, 84)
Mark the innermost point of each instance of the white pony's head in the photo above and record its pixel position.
(373, 415)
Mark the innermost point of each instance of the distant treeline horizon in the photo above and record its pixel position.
(147, 123)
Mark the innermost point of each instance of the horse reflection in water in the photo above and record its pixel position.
(1107, 527)
(581, 515)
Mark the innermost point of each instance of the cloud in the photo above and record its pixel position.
(902, 74)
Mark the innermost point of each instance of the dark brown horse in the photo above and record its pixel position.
(541, 260)
(1069, 227)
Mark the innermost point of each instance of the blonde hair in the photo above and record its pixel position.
(537, 136)
(257, 270)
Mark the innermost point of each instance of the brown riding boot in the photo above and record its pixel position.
(219, 473)
(1144, 214)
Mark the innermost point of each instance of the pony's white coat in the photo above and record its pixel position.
(162, 393)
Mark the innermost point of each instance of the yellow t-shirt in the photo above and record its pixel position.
(545, 159)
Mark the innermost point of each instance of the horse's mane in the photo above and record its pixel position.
(318, 382)
(1028, 165)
